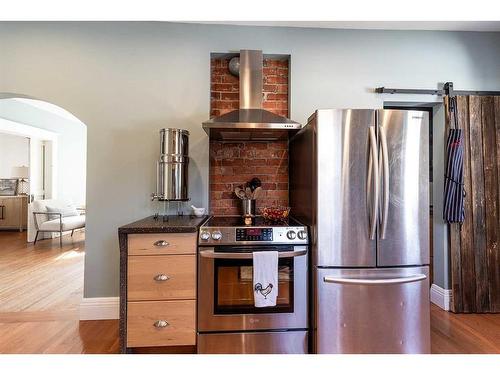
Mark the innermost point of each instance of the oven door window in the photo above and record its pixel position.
(234, 287)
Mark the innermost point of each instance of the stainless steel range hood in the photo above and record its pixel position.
(251, 121)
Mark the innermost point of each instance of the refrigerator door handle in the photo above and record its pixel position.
(385, 175)
(373, 200)
(378, 281)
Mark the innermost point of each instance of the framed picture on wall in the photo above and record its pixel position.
(8, 186)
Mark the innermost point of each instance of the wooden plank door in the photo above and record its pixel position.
(475, 246)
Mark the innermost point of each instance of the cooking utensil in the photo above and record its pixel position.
(257, 193)
(240, 193)
(254, 183)
(248, 192)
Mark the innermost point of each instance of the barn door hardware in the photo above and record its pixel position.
(446, 90)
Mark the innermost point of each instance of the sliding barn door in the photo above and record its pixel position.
(475, 247)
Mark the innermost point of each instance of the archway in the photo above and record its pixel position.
(50, 169)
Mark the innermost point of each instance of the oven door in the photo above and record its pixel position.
(225, 290)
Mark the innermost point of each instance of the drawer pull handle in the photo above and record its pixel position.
(161, 277)
(161, 243)
(161, 324)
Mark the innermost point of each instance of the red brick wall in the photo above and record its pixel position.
(224, 87)
(234, 163)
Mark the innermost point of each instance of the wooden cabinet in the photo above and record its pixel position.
(158, 290)
(161, 244)
(14, 212)
(161, 323)
(162, 277)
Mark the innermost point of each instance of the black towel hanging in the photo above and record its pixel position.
(454, 192)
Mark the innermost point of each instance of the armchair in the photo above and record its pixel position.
(55, 222)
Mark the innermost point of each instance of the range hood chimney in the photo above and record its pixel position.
(251, 121)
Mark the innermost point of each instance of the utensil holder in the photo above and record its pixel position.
(248, 206)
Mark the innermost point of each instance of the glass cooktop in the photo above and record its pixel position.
(237, 221)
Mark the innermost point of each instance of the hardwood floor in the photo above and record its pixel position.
(41, 277)
(464, 333)
(450, 333)
(41, 287)
(59, 337)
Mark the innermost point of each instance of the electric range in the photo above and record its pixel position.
(228, 321)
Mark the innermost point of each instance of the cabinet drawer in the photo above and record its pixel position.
(179, 323)
(161, 277)
(162, 243)
(12, 214)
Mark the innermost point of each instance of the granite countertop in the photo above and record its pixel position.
(175, 224)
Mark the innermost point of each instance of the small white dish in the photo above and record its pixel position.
(198, 211)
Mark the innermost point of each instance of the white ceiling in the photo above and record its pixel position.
(375, 25)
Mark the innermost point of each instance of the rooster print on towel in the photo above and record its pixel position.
(264, 291)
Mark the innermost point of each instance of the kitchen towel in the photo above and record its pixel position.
(454, 193)
(265, 278)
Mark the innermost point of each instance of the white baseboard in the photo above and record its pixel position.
(104, 308)
(101, 308)
(441, 297)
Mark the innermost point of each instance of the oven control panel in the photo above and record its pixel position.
(254, 234)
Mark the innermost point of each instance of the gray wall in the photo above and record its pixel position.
(127, 80)
(442, 275)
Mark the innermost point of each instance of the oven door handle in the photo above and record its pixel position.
(221, 255)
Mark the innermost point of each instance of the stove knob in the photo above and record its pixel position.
(204, 235)
(290, 235)
(302, 235)
(216, 235)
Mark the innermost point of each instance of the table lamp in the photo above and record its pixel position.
(22, 174)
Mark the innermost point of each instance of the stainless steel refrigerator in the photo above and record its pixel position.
(360, 180)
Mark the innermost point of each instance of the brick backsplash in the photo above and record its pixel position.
(225, 88)
(234, 163)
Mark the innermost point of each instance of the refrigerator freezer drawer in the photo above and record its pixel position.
(372, 310)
